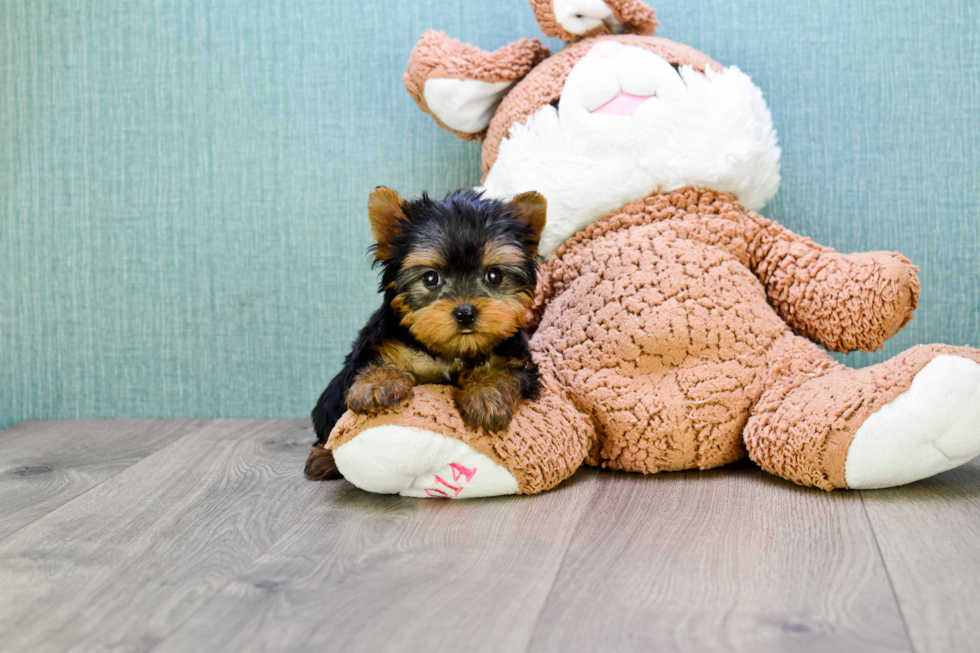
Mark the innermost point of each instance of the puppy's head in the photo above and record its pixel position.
(460, 272)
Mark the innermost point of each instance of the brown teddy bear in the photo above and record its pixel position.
(674, 327)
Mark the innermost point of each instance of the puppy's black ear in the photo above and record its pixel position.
(532, 210)
(387, 216)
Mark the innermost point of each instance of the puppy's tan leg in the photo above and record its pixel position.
(378, 388)
(488, 397)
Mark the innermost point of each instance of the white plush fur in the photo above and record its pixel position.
(419, 463)
(580, 16)
(466, 105)
(711, 129)
(932, 427)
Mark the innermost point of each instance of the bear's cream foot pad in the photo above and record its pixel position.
(419, 463)
(932, 427)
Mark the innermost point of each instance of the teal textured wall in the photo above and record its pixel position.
(182, 184)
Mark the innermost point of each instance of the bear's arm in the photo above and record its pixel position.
(845, 302)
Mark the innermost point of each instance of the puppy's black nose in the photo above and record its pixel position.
(465, 314)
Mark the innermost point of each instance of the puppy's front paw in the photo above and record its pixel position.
(488, 399)
(379, 388)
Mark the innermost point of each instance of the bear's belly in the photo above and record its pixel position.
(665, 347)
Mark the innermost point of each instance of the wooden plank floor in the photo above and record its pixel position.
(187, 535)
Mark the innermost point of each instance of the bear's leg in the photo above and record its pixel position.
(425, 450)
(822, 424)
(930, 428)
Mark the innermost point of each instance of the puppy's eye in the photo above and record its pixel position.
(494, 276)
(431, 279)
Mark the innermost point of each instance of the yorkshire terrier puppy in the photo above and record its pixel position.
(458, 276)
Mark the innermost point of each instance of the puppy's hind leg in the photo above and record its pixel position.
(320, 466)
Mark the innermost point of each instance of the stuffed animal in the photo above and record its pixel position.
(674, 327)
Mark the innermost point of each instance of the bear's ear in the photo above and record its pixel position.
(461, 85)
(573, 20)
(387, 216)
(532, 210)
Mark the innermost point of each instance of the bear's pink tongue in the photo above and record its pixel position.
(623, 104)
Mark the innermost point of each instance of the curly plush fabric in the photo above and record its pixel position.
(805, 421)
(438, 56)
(824, 295)
(668, 338)
(635, 16)
(843, 302)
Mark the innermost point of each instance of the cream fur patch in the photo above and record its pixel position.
(466, 105)
(712, 130)
(580, 16)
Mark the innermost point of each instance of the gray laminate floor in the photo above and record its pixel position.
(203, 535)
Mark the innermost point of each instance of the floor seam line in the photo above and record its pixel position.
(99, 484)
(884, 565)
(561, 565)
(243, 570)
